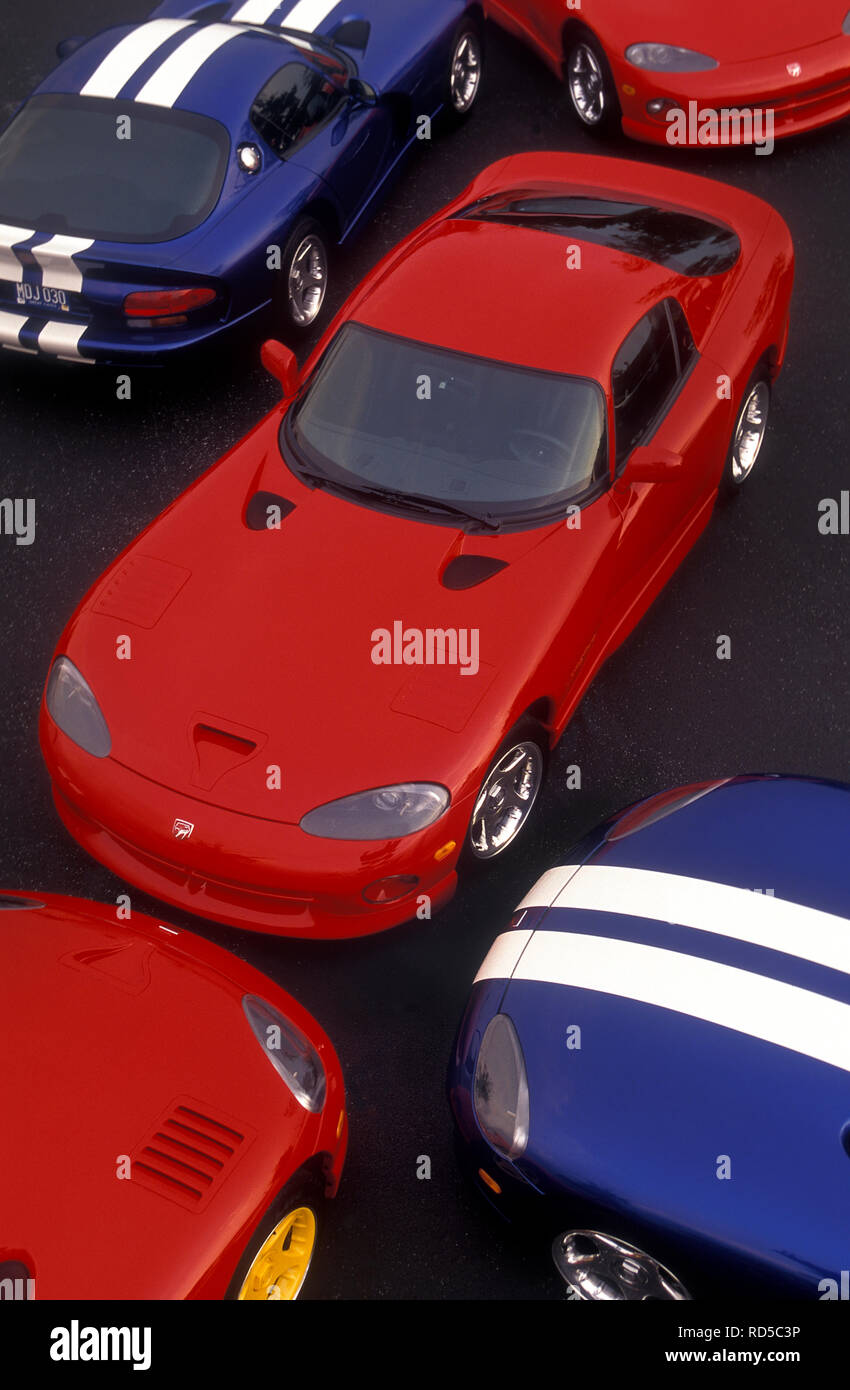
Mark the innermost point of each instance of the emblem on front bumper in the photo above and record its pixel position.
(794, 69)
(182, 829)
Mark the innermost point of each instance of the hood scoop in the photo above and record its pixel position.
(266, 510)
(218, 750)
(467, 571)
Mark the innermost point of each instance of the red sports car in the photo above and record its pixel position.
(151, 1150)
(333, 669)
(693, 74)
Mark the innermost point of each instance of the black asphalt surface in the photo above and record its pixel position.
(664, 710)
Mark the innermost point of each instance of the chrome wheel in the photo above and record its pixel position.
(506, 799)
(750, 431)
(308, 280)
(465, 77)
(597, 1267)
(586, 84)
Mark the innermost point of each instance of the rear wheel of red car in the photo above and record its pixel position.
(463, 79)
(749, 433)
(590, 84)
(278, 1256)
(303, 277)
(508, 794)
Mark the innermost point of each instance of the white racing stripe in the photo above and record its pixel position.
(255, 11)
(548, 886)
(503, 957)
(774, 1012)
(307, 15)
(737, 913)
(62, 340)
(175, 74)
(10, 266)
(56, 259)
(116, 69)
(10, 330)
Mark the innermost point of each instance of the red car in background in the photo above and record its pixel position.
(152, 1151)
(332, 671)
(636, 62)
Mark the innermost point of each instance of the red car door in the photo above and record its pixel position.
(667, 418)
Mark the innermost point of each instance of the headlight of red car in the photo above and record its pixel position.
(72, 705)
(387, 813)
(666, 57)
(294, 1059)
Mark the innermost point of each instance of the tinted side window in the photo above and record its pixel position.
(684, 342)
(644, 375)
(291, 105)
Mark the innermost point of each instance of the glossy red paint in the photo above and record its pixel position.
(789, 58)
(266, 635)
(109, 1029)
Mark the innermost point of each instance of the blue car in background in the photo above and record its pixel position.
(172, 179)
(653, 1070)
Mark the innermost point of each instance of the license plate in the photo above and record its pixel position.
(41, 297)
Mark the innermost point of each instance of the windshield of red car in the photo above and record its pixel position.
(68, 165)
(387, 413)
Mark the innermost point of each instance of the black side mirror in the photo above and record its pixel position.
(362, 92)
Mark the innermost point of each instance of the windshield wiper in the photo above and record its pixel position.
(432, 505)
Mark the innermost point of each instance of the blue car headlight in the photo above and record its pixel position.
(666, 57)
(72, 705)
(500, 1088)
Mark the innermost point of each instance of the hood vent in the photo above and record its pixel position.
(465, 571)
(218, 751)
(188, 1155)
(264, 510)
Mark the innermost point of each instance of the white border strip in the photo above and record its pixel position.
(61, 339)
(173, 77)
(739, 914)
(56, 259)
(759, 1007)
(10, 266)
(125, 59)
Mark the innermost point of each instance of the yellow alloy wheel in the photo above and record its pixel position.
(280, 1266)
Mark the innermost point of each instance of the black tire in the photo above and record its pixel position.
(467, 43)
(757, 396)
(306, 232)
(304, 1190)
(582, 50)
(527, 731)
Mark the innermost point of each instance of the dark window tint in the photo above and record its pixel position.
(292, 105)
(682, 334)
(63, 169)
(645, 373)
(680, 241)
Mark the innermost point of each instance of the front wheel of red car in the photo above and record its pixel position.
(590, 84)
(749, 433)
(508, 794)
(278, 1256)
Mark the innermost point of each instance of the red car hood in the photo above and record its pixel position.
(726, 30)
(253, 649)
(111, 1029)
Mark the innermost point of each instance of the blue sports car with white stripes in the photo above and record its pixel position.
(172, 179)
(653, 1070)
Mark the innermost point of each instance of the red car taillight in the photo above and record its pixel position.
(166, 306)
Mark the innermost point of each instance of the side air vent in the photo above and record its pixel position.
(9, 903)
(188, 1155)
(465, 571)
(353, 33)
(265, 510)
